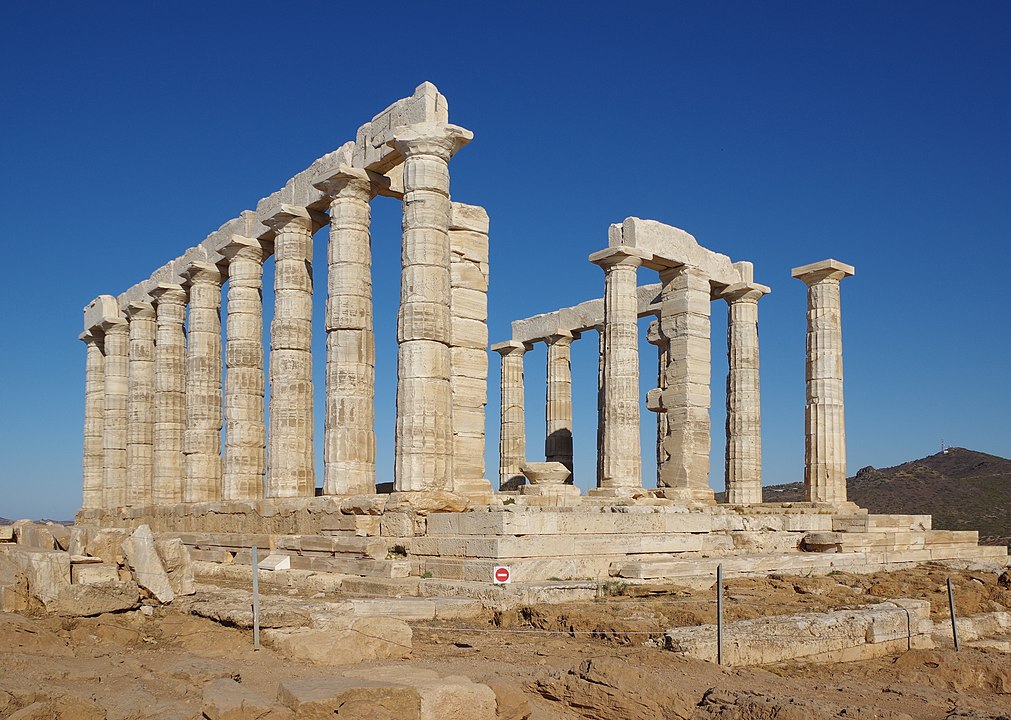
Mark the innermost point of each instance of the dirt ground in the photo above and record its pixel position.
(596, 659)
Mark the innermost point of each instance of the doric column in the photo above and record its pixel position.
(202, 438)
(824, 421)
(424, 427)
(621, 472)
(290, 461)
(349, 445)
(117, 373)
(245, 460)
(684, 320)
(744, 416)
(558, 400)
(169, 393)
(140, 405)
(656, 337)
(601, 337)
(94, 419)
(512, 449)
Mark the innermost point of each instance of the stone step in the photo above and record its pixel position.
(620, 520)
(361, 566)
(554, 546)
(372, 547)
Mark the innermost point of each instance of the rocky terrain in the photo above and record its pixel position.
(596, 659)
(962, 489)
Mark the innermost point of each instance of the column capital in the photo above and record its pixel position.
(203, 273)
(430, 138)
(140, 309)
(619, 256)
(114, 325)
(744, 292)
(313, 220)
(168, 293)
(91, 336)
(823, 270)
(511, 347)
(245, 248)
(561, 337)
(654, 334)
(347, 181)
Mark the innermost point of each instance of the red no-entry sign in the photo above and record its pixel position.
(501, 575)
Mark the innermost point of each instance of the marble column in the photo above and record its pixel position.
(94, 419)
(424, 425)
(744, 416)
(621, 471)
(558, 400)
(117, 373)
(512, 452)
(245, 460)
(349, 449)
(600, 402)
(656, 337)
(202, 437)
(140, 405)
(290, 461)
(684, 320)
(169, 393)
(824, 421)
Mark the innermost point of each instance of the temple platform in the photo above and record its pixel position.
(434, 544)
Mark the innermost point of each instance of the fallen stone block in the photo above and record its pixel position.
(107, 543)
(6, 533)
(364, 504)
(175, 558)
(61, 534)
(354, 699)
(347, 641)
(450, 697)
(146, 566)
(275, 561)
(14, 595)
(32, 535)
(93, 573)
(427, 501)
(47, 571)
(91, 600)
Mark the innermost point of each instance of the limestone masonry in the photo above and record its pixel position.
(175, 443)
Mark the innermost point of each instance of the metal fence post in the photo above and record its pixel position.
(256, 600)
(719, 614)
(951, 609)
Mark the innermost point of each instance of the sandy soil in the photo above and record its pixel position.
(582, 660)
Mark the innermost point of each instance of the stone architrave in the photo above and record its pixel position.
(744, 417)
(140, 405)
(824, 420)
(290, 462)
(245, 460)
(202, 437)
(169, 394)
(684, 321)
(621, 464)
(117, 373)
(94, 419)
(468, 271)
(512, 433)
(558, 400)
(349, 445)
(424, 424)
(656, 337)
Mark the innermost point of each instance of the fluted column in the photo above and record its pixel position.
(621, 471)
(94, 419)
(140, 405)
(558, 400)
(117, 373)
(656, 337)
(290, 461)
(202, 438)
(824, 420)
(684, 320)
(512, 452)
(601, 422)
(349, 450)
(424, 426)
(245, 460)
(169, 393)
(744, 416)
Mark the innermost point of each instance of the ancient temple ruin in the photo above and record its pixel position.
(158, 403)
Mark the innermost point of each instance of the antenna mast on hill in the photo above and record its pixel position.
(944, 450)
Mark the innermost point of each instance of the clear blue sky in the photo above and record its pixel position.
(781, 133)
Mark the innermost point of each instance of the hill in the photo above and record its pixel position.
(962, 489)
